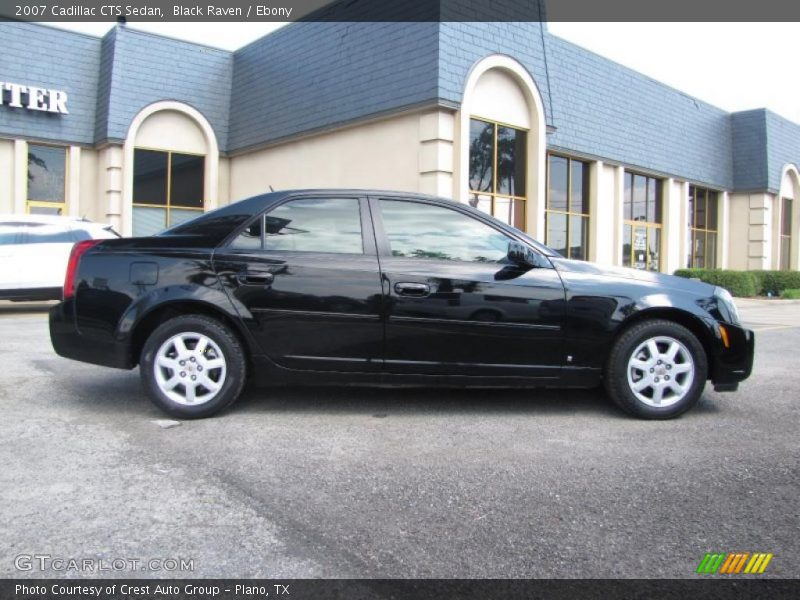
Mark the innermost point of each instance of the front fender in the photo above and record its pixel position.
(598, 310)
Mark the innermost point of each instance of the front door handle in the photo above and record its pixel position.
(255, 278)
(414, 290)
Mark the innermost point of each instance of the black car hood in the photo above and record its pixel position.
(661, 280)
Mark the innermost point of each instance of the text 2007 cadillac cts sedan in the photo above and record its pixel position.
(382, 288)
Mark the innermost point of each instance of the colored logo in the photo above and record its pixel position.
(734, 563)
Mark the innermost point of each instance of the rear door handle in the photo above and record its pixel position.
(255, 278)
(414, 290)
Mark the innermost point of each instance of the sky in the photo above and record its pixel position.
(735, 66)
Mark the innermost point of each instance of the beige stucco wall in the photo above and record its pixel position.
(739, 222)
(171, 130)
(775, 234)
(6, 176)
(417, 151)
(723, 230)
(89, 202)
(224, 181)
(383, 154)
(751, 231)
(109, 185)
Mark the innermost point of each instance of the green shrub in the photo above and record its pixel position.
(746, 283)
(774, 282)
(759, 275)
(791, 294)
(691, 273)
(738, 283)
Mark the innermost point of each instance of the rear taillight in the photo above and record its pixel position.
(78, 250)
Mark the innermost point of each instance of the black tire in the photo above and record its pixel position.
(618, 383)
(230, 378)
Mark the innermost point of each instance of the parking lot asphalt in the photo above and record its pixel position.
(332, 482)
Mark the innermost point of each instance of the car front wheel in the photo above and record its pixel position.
(656, 370)
(192, 366)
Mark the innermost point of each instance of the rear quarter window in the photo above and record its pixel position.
(49, 234)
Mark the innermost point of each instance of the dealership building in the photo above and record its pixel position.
(599, 161)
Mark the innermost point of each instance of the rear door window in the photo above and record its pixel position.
(329, 225)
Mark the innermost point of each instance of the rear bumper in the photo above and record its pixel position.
(70, 343)
(735, 363)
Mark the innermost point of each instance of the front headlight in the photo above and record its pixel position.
(726, 305)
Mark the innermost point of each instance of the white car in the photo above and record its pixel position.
(34, 250)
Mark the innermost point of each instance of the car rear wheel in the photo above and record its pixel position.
(192, 366)
(656, 370)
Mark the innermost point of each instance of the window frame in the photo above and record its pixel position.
(33, 202)
(569, 214)
(494, 194)
(367, 232)
(648, 225)
(168, 206)
(695, 231)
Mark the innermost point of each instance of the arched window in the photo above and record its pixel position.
(786, 242)
(503, 144)
(171, 165)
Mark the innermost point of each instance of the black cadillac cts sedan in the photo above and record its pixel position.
(383, 288)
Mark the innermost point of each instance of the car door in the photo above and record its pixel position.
(307, 272)
(455, 303)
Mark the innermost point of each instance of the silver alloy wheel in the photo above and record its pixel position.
(190, 368)
(660, 371)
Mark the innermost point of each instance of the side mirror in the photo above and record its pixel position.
(521, 255)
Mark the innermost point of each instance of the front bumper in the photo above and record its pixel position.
(734, 363)
(70, 343)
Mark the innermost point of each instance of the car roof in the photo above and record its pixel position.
(49, 220)
(255, 204)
